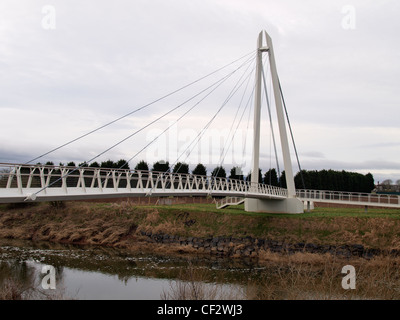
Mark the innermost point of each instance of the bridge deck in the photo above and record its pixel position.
(20, 183)
(50, 183)
(350, 198)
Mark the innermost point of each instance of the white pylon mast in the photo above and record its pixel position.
(279, 110)
(257, 113)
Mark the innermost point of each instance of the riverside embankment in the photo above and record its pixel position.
(272, 256)
(201, 229)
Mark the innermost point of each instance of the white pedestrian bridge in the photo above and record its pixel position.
(28, 182)
(22, 182)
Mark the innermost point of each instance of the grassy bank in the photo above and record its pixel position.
(122, 223)
(300, 276)
(297, 276)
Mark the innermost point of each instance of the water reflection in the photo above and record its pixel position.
(107, 273)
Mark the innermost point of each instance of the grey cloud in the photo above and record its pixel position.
(313, 154)
(107, 59)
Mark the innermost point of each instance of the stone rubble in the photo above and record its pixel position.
(250, 247)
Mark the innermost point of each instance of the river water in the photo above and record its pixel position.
(84, 272)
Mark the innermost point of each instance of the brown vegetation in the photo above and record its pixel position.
(13, 289)
(311, 276)
(122, 225)
(301, 276)
(193, 284)
(295, 276)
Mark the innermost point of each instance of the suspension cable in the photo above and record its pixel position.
(239, 122)
(138, 109)
(201, 133)
(141, 129)
(270, 120)
(248, 120)
(237, 86)
(184, 114)
(291, 133)
(222, 156)
(234, 134)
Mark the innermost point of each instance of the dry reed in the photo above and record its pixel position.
(193, 284)
(13, 289)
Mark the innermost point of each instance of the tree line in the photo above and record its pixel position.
(336, 180)
(313, 179)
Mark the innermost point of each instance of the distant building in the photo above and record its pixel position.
(386, 187)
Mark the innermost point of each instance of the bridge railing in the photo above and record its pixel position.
(44, 177)
(349, 197)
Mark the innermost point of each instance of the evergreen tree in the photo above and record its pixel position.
(236, 173)
(282, 180)
(142, 166)
(94, 165)
(271, 177)
(300, 177)
(219, 172)
(200, 170)
(121, 164)
(109, 164)
(336, 181)
(181, 168)
(260, 179)
(370, 183)
(161, 166)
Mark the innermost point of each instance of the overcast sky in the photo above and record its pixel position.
(68, 67)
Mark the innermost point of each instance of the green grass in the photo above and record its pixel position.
(378, 228)
(317, 212)
(239, 210)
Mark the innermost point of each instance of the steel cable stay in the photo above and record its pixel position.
(291, 134)
(269, 102)
(216, 84)
(222, 158)
(139, 109)
(270, 151)
(248, 122)
(234, 134)
(270, 144)
(262, 102)
(205, 128)
(21, 181)
(180, 118)
(141, 129)
(233, 91)
(270, 119)
(198, 137)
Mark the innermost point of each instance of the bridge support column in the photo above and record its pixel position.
(289, 205)
(308, 205)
